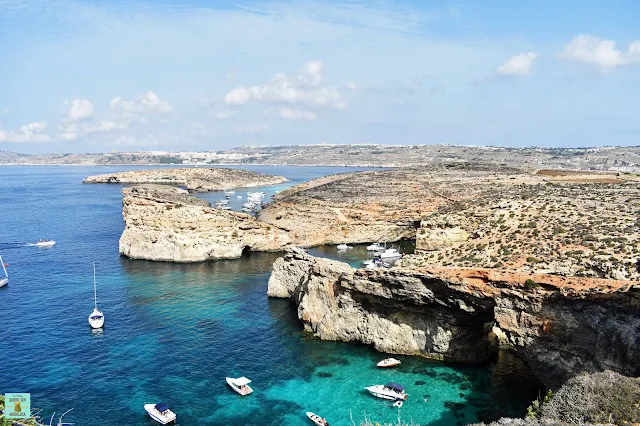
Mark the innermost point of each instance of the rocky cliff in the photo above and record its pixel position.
(194, 179)
(560, 326)
(165, 223)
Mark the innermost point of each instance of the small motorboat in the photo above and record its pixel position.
(46, 243)
(230, 192)
(239, 197)
(375, 247)
(317, 419)
(392, 391)
(390, 254)
(388, 362)
(240, 385)
(160, 413)
(343, 247)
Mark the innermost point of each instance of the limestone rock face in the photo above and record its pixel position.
(164, 223)
(194, 179)
(561, 327)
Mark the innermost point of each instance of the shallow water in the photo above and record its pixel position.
(174, 331)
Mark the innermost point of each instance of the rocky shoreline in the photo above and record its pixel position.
(560, 326)
(193, 179)
(164, 223)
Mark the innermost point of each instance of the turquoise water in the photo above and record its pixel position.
(174, 331)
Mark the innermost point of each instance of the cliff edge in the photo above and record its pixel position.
(559, 325)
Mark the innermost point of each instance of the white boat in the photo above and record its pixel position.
(239, 197)
(375, 247)
(96, 319)
(317, 419)
(370, 264)
(229, 192)
(343, 247)
(4, 281)
(390, 254)
(240, 385)
(388, 362)
(160, 413)
(46, 243)
(391, 391)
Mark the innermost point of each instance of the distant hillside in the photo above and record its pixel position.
(622, 159)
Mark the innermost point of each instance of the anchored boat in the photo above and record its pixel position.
(388, 362)
(240, 385)
(392, 391)
(96, 319)
(317, 419)
(160, 413)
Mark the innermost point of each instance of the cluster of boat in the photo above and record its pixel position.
(254, 202)
(161, 413)
(382, 256)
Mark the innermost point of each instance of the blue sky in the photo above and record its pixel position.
(97, 76)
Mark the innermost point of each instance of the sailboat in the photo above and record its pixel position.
(96, 319)
(4, 281)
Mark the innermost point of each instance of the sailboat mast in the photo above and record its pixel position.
(3, 268)
(95, 297)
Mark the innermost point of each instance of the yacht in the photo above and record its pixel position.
(4, 281)
(96, 319)
(46, 243)
(388, 362)
(375, 247)
(160, 413)
(343, 247)
(240, 385)
(392, 391)
(317, 419)
(390, 254)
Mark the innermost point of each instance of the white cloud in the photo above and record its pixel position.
(304, 89)
(29, 133)
(223, 115)
(518, 64)
(294, 114)
(593, 50)
(147, 103)
(79, 109)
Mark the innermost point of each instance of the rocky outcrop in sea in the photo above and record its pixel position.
(561, 326)
(165, 223)
(193, 179)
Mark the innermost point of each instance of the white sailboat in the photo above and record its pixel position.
(4, 281)
(96, 319)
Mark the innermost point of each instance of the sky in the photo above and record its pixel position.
(119, 75)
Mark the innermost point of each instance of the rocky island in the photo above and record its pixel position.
(193, 179)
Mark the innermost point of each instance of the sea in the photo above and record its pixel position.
(173, 332)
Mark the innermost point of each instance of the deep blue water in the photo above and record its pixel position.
(174, 331)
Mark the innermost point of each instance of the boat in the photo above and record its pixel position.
(370, 264)
(390, 254)
(375, 247)
(239, 197)
(240, 385)
(343, 247)
(392, 391)
(317, 419)
(4, 281)
(96, 319)
(46, 243)
(160, 413)
(388, 362)
(229, 192)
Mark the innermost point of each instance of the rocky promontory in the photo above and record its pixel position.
(193, 179)
(165, 223)
(559, 325)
